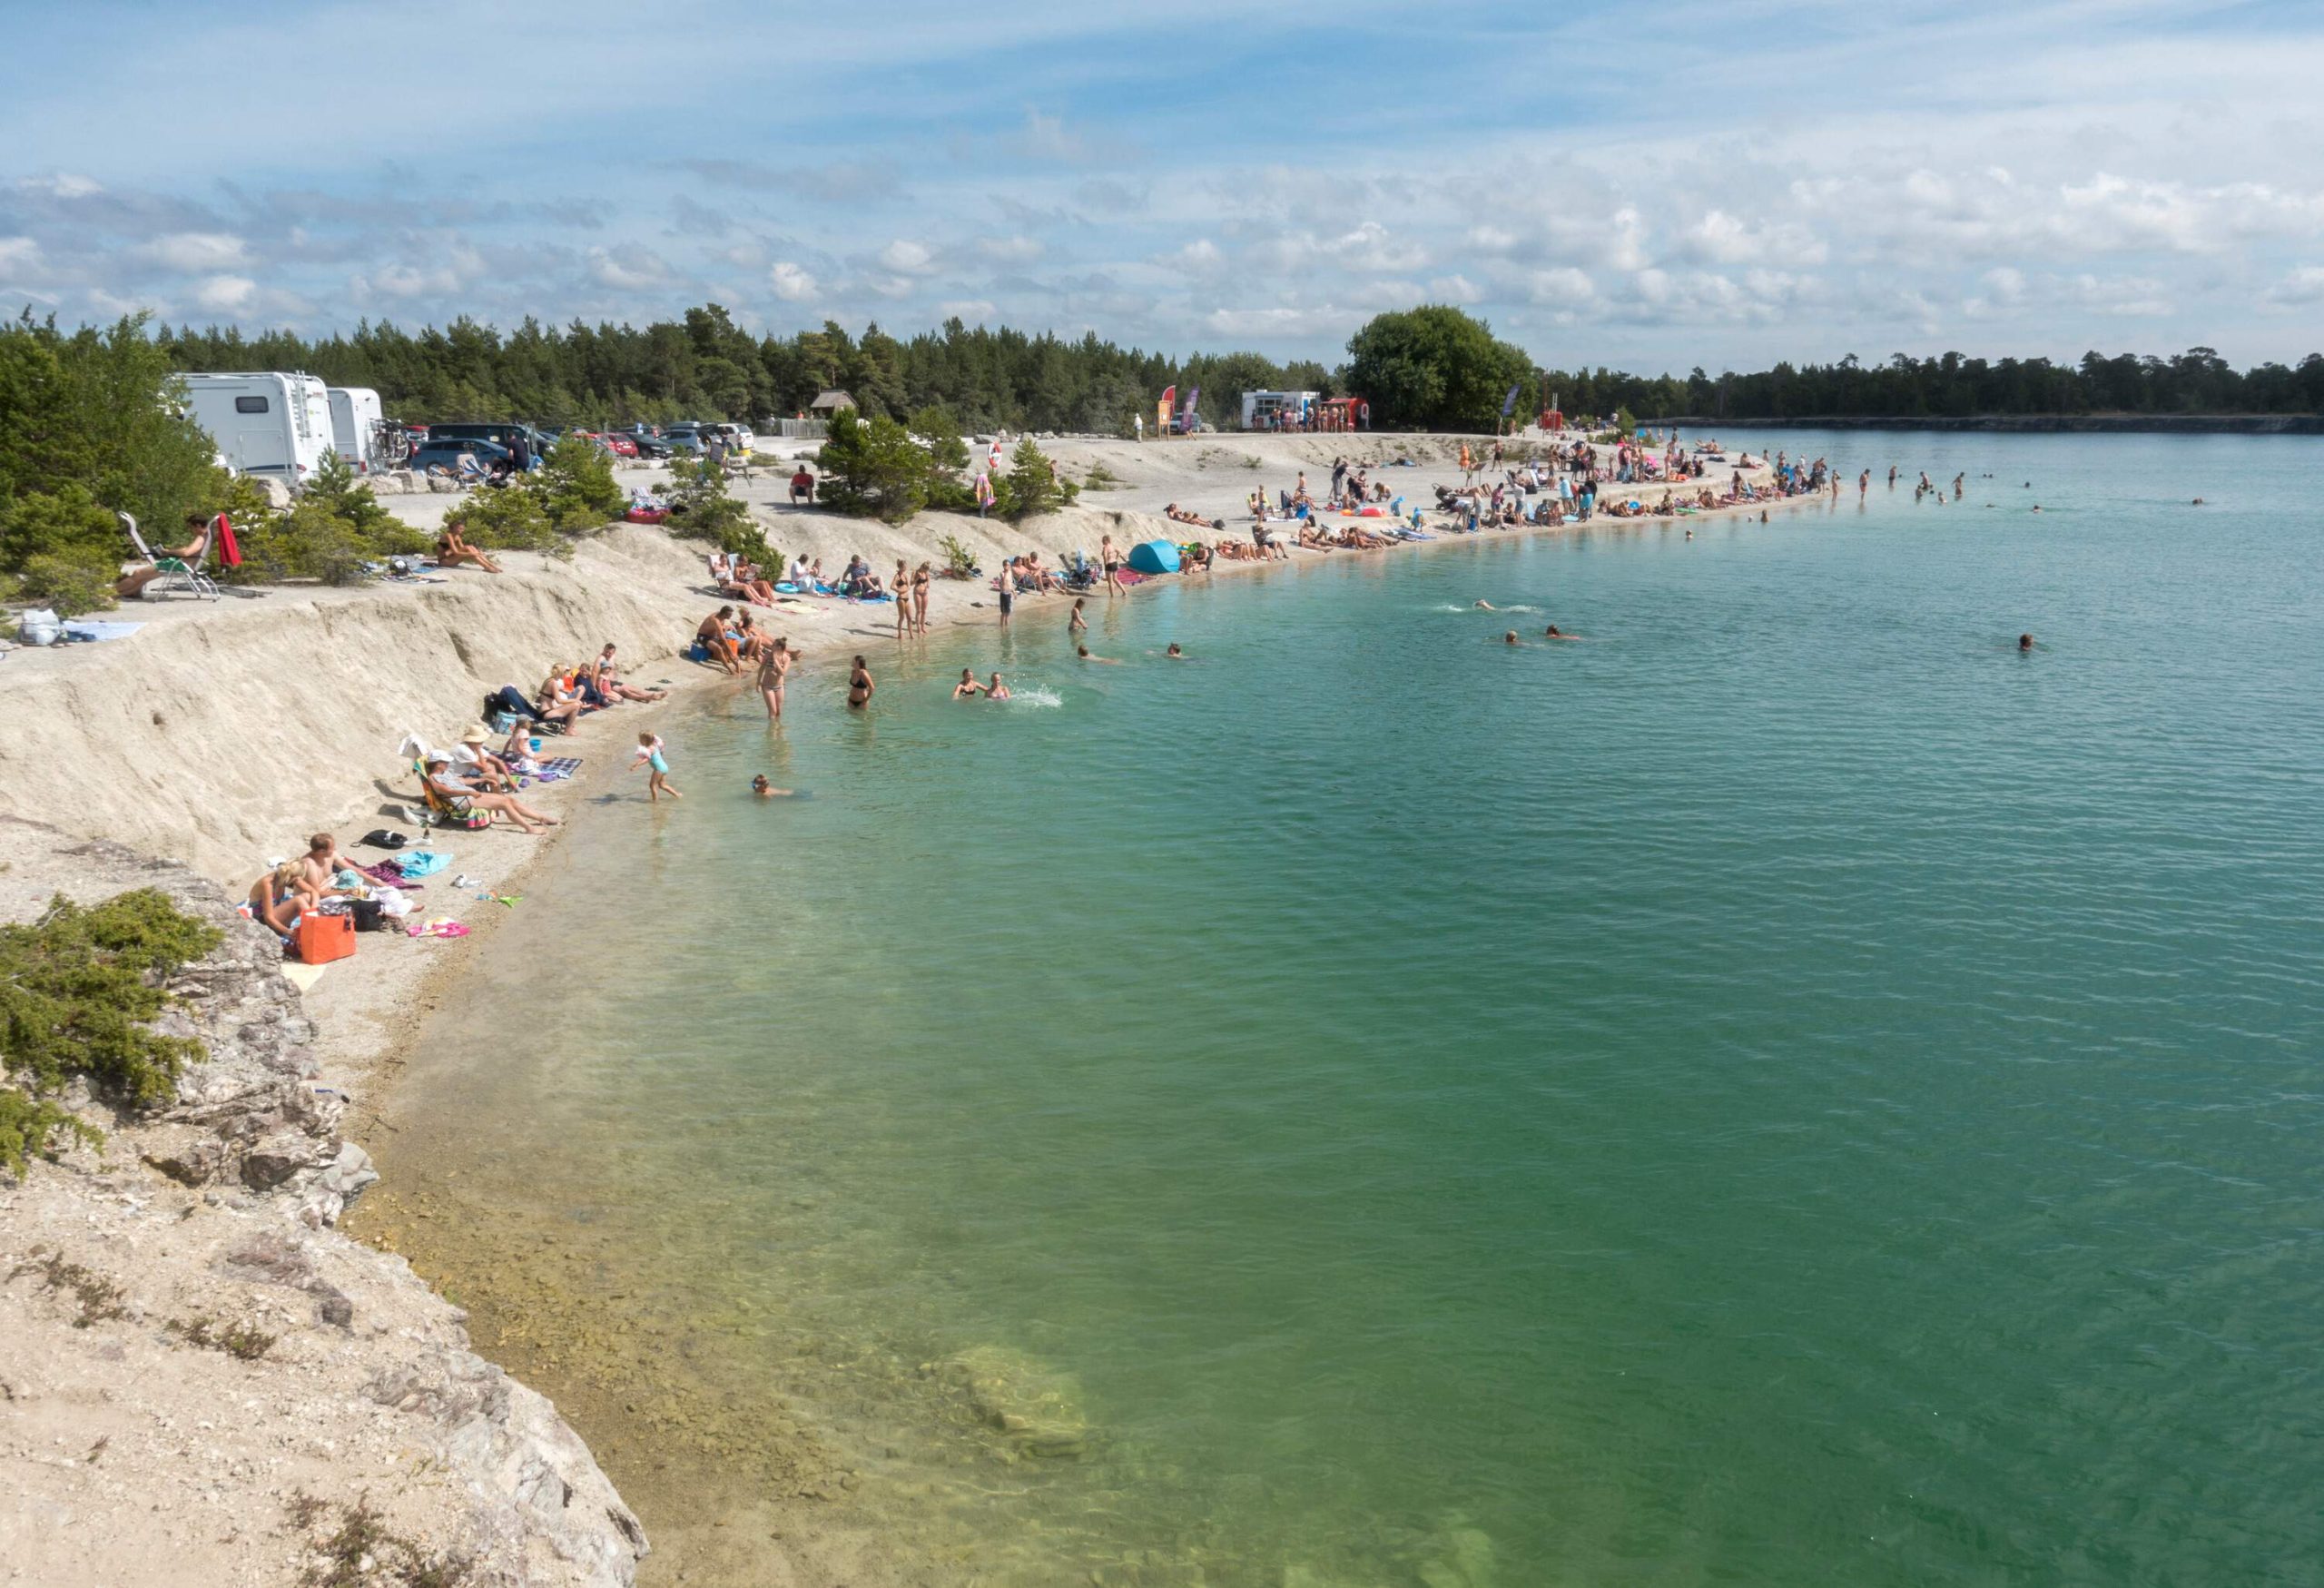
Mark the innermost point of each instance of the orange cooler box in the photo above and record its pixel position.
(322, 939)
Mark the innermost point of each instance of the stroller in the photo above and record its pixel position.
(1078, 574)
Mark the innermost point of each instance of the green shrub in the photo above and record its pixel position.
(334, 528)
(510, 519)
(959, 560)
(701, 508)
(30, 1126)
(67, 585)
(873, 468)
(67, 523)
(78, 986)
(1032, 484)
(576, 487)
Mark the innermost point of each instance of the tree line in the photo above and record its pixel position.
(1432, 368)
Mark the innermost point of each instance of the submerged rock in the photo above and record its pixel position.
(1036, 1406)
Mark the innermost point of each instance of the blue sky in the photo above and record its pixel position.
(1648, 187)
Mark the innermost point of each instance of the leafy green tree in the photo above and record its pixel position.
(1032, 485)
(1435, 368)
(872, 467)
(702, 508)
(65, 526)
(66, 587)
(577, 487)
(511, 518)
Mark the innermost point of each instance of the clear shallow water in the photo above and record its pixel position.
(1784, 1089)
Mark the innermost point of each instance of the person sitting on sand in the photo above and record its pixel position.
(610, 681)
(319, 867)
(802, 487)
(192, 554)
(556, 702)
(479, 764)
(968, 688)
(453, 550)
(279, 897)
(461, 797)
(710, 633)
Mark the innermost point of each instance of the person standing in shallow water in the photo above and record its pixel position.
(859, 685)
(774, 670)
(1077, 624)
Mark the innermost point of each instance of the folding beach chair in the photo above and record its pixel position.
(175, 574)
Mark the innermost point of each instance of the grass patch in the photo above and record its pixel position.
(99, 1298)
(359, 1550)
(242, 1341)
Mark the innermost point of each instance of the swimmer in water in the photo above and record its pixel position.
(1690, 535)
(1509, 638)
(996, 690)
(1552, 632)
(1486, 607)
(1083, 652)
(767, 791)
(2024, 642)
(968, 688)
(1173, 653)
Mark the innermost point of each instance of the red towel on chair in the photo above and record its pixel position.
(229, 554)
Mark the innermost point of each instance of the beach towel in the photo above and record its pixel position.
(423, 862)
(90, 628)
(561, 766)
(440, 928)
(230, 555)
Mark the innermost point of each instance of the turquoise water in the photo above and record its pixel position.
(1783, 1088)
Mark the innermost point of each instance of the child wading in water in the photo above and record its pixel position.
(649, 754)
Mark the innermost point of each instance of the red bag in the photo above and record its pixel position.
(322, 939)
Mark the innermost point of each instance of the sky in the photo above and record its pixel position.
(1645, 187)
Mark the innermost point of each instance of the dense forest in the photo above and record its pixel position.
(703, 366)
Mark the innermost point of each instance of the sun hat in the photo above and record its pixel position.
(476, 734)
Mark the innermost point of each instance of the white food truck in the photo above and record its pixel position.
(274, 426)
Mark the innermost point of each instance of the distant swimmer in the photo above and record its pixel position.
(1552, 633)
(2196, 503)
(767, 791)
(996, 690)
(2037, 507)
(1077, 623)
(1863, 482)
(2024, 642)
(1083, 651)
(1486, 607)
(968, 688)
(1509, 638)
(1691, 534)
(1173, 653)
(1892, 477)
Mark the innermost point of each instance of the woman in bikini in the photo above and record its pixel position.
(902, 591)
(194, 553)
(1077, 624)
(453, 550)
(968, 688)
(859, 685)
(920, 579)
(277, 897)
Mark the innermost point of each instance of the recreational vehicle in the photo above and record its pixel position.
(274, 426)
(355, 428)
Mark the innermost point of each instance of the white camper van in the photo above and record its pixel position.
(274, 426)
(355, 416)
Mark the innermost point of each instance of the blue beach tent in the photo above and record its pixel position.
(1154, 556)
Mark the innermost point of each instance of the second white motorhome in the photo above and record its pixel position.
(272, 425)
(355, 415)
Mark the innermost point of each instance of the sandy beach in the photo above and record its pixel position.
(224, 733)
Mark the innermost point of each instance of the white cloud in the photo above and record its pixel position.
(19, 256)
(627, 267)
(905, 256)
(790, 282)
(1454, 289)
(225, 294)
(63, 185)
(194, 252)
(1198, 258)
(973, 310)
(1720, 238)
(2303, 285)
(1010, 249)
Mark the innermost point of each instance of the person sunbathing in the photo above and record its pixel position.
(279, 897)
(461, 796)
(453, 550)
(474, 762)
(191, 554)
(556, 703)
(710, 633)
(609, 682)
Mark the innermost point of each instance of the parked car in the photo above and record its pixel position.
(738, 437)
(444, 452)
(686, 440)
(647, 440)
(619, 444)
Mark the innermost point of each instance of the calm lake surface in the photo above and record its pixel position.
(1784, 1089)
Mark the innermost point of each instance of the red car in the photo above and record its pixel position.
(619, 445)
